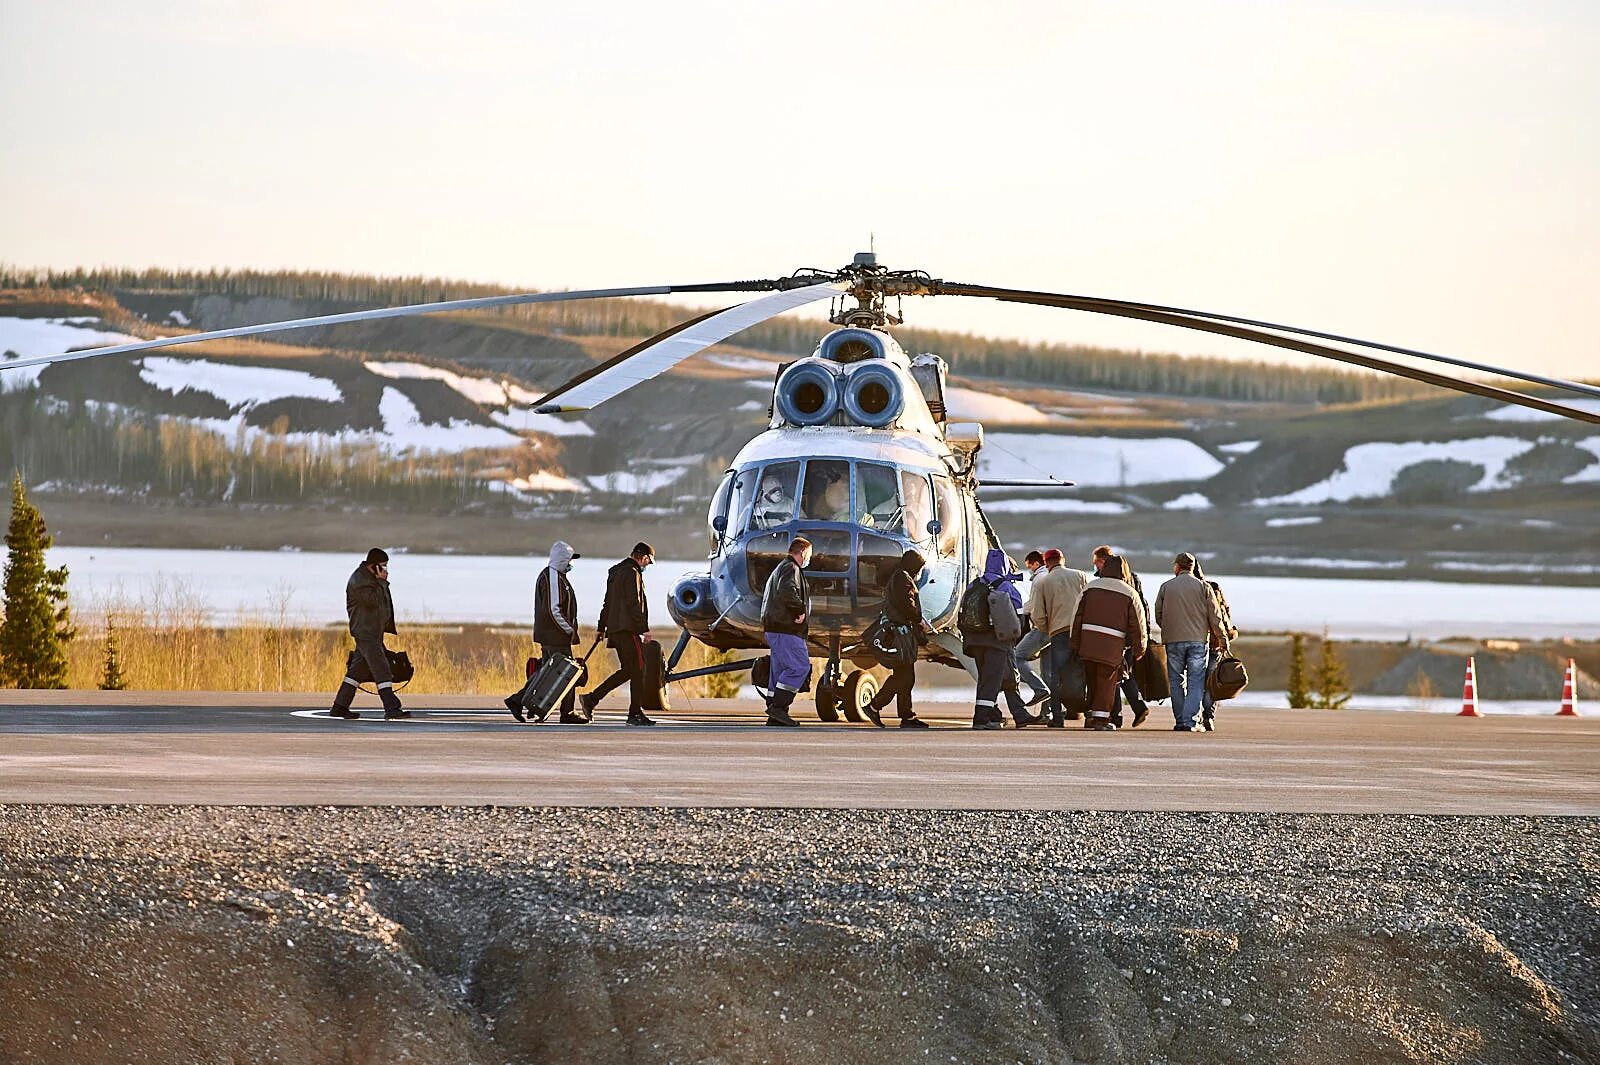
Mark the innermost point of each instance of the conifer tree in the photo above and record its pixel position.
(111, 675)
(1299, 695)
(1333, 682)
(37, 625)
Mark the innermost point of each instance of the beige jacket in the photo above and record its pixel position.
(1053, 599)
(1187, 611)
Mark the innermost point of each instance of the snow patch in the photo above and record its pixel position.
(628, 482)
(541, 483)
(31, 337)
(1512, 412)
(1324, 563)
(404, 429)
(1283, 523)
(969, 404)
(1100, 461)
(479, 390)
(552, 424)
(237, 386)
(1369, 470)
(177, 318)
(741, 362)
(1242, 447)
(1188, 501)
(1589, 474)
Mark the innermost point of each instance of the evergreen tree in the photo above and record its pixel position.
(1299, 695)
(1333, 682)
(111, 676)
(37, 625)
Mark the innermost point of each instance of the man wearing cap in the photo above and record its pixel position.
(1186, 611)
(625, 623)
(371, 609)
(555, 624)
(1052, 604)
(785, 602)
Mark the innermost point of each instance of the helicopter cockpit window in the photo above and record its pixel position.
(827, 491)
(877, 501)
(950, 516)
(744, 494)
(774, 504)
(918, 503)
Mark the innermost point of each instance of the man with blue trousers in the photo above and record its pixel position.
(785, 604)
(1186, 610)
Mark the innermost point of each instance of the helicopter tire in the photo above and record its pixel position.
(859, 688)
(827, 700)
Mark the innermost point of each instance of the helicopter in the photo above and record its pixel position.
(859, 454)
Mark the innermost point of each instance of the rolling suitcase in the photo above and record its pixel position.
(654, 697)
(556, 676)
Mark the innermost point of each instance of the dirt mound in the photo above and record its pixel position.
(1500, 675)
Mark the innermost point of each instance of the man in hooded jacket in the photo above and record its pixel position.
(555, 625)
(996, 657)
(902, 605)
(1108, 625)
(371, 609)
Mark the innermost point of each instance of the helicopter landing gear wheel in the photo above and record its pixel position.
(827, 698)
(859, 688)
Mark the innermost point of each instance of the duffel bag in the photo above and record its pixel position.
(400, 668)
(892, 645)
(1226, 679)
(1150, 672)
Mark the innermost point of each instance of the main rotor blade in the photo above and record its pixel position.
(1221, 326)
(344, 318)
(665, 350)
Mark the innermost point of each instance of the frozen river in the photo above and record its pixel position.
(233, 585)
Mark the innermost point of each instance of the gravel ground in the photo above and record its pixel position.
(375, 934)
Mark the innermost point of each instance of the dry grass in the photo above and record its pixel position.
(167, 641)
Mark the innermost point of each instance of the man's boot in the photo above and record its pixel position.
(778, 710)
(391, 705)
(514, 704)
(983, 718)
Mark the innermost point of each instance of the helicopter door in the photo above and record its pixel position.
(947, 566)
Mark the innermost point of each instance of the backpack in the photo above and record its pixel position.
(973, 617)
(1003, 614)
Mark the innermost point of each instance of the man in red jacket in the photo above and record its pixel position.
(1108, 625)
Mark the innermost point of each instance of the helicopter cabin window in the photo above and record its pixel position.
(917, 503)
(744, 494)
(877, 502)
(876, 558)
(827, 492)
(949, 516)
(774, 505)
(719, 509)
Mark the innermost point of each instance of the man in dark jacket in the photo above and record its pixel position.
(994, 655)
(555, 625)
(1130, 684)
(785, 605)
(1108, 625)
(902, 605)
(371, 609)
(625, 623)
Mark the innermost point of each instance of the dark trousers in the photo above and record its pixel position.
(1129, 688)
(376, 660)
(1103, 681)
(898, 688)
(994, 671)
(630, 671)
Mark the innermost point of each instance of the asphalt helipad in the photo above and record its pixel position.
(213, 747)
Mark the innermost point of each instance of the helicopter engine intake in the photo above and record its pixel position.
(808, 392)
(874, 395)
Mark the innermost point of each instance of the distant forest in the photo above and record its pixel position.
(1070, 365)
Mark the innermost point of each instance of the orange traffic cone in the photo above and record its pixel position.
(1569, 707)
(1469, 693)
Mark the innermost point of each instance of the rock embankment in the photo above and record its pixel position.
(368, 935)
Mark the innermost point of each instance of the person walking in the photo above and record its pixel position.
(902, 605)
(1051, 608)
(370, 607)
(1130, 683)
(785, 605)
(1034, 640)
(992, 647)
(1189, 618)
(1107, 628)
(555, 626)
(625, 624)
(1215, 649)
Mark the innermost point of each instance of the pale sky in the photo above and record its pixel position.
(1420, 172)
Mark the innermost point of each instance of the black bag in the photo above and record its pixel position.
(400, 668)
(654, 696)
(1072, 686)
(894, 646)
(972, 618)
(1226, 679)
(556, 676)
(1150, 673)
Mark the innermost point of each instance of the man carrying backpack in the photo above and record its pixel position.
(991, 625)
